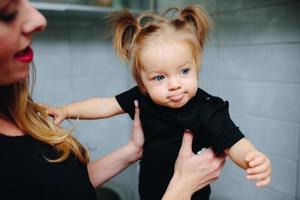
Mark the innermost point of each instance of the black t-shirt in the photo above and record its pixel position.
(26, 174)
(205, 115)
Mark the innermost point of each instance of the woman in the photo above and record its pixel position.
(42, 161)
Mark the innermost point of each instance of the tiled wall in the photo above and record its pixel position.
(252, 60)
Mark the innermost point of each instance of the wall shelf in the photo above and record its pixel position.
(59, 10)
(62, 10)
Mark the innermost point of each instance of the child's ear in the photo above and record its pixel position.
(143, 89)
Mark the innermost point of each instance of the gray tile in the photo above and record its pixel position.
(98, 134)
(209, 5)
(87, 87)
(210, 63)
(53, 41)
(283, 174)
(231, 187)
(298, 174)
(262, 63)
(273, 137)
(53, 65)
(230, 5)
(101, 63)
(210, 85)
(276, 24)
(267, 99)
(53, 91)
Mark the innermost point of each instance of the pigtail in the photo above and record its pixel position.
(198, 18)
(125, 28)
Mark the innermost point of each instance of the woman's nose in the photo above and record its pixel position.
(34, 21)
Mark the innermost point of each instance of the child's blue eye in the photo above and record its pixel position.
(185, 71)
(159, 77)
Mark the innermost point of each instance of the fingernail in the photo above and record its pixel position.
(136, 103)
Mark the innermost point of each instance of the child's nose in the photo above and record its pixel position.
(174, 84)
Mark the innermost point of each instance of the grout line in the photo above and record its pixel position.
(253, 7)
(255, 44)
(265, 117)
(295, 83)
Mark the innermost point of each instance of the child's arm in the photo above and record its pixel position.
(256, 164)
(94, 108)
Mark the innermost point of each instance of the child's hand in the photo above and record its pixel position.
(260, 168)
(58, 114)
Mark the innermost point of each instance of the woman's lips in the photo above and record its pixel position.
(25, 55)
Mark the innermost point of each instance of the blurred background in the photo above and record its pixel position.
(252, 59)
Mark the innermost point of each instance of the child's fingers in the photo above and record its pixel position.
(250, 156)
(58, 120)
(260, 167)
(259, 160)
(259, 176)
(55, 114)
(264, 182)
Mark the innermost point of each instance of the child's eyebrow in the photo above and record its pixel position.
(185, 63)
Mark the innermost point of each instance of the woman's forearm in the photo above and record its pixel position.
(177, 191)
(103, 169)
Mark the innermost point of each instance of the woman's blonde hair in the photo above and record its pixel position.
(131, 35)
(16, 103)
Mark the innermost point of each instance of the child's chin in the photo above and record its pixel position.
(176, 105)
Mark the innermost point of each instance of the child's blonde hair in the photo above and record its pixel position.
(131, 35)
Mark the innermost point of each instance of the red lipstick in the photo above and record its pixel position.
(25, 55)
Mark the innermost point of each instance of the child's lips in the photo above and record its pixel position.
(25, 55)
(177, 97)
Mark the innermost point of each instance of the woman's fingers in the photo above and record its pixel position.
(136, 120)
(186, 146)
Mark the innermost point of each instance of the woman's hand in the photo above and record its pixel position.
(137, 134)
(192, 172)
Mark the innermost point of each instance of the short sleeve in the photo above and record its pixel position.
(126, 100)
(221, 130)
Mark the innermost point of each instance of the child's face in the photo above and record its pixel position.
(169, 74)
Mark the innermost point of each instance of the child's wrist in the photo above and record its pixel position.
(66, 111)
